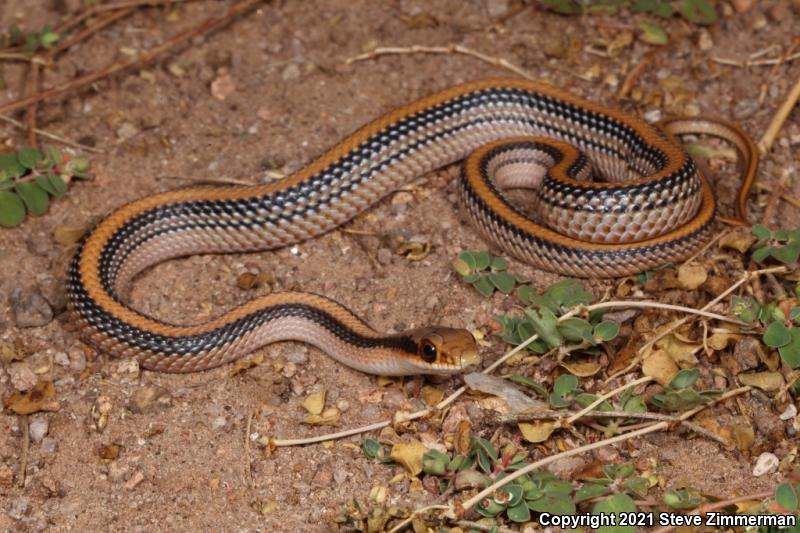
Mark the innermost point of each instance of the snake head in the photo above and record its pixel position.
(442, 350)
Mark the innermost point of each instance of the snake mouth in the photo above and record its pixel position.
(470, 360)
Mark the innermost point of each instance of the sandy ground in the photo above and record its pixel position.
(172, 453)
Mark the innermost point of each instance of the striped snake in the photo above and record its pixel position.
(652, 206)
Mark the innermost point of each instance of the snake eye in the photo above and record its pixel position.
(428, 352)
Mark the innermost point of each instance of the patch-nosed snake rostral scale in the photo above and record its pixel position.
(653, 207)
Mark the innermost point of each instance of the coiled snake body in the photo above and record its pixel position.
(653, 207)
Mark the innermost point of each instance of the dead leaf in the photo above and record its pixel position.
(109, 452)
(409, 455)
(766, 381)
(720, 341)
(503, 389)
(691, 276)
(329, 417)
(39, 398)
(8, 354)
(67, 235)
(659, 366)
(314, 403)
(536, 431)
(462, 438)
(743, 437)
(680, 351)
(243, 364)
(582, 367)
(740, 239)
(431, 395)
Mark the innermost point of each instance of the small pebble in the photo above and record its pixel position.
(126, 131)
(38, 429)
(149, 399)
(384, 256)
(340, 476)
(789, 413)
(289, 370)
(296, 354)
(61, 359)
(766, 463)
(117, 471)
(49, 445)
(19, 508)
(77, 359)
(22, 377)
(29, 309)
(343, 405)
(219, 423)
(291, 72)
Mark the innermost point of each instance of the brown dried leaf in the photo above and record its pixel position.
(8, 354)
(40, 398)
(743, 436)
(680, 351)
(109, 452)
(314, 403)
(67, 235)
(740, 239)
(582, 367)
(461, 439)
(536, 431)
(766, 381)
(691, 276)
(329, 417)
(409, 455)
(243, 364)
(414, 251)
(720, 341)
(659, 366)
(431, 395)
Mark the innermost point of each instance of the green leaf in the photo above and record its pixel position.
(563, 7)
(685, 378)
(565, 384)
(489, 508)
(35, 198)
(545, 324)
(790, 353)
(794, 313)
(558, 401)
(553, 505)
(482, 260)
(606, 330)
(54, 156)
(568, 293)
(616, 505)
(480, 442)
(653, 33)
(635, 405)
(48, 37)
(12, 210)
(659, 8)
(761, 232)
(683, 498)
(528, 382)
(519, 513)
(636, 485)
(787, 254)
(558, 487)
(589, 491)
(11, 166)
(498, 264)
(435, 462)
(576, 330)
(502, 280)
(29, 157)
(525, 294)
(585, 399)
(760, 254)
(777, 335)
(52, 184)
(786, 497)
(484, 286)
(468, 258)
(698, 12)
(373, 449)
(514, 492)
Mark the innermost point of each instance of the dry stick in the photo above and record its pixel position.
(71, 23)
(23, 459)
(780, 117)
(143, 58)
(86, 32)
(755, 63)
(450, 399)
(785, 197)
(606, 396)
(557, 415)
(450, 49)
(636, 72)
(599, 444)
(30, 112)
(719, 505)
(52, 136)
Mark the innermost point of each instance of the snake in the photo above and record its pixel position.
(609, 195)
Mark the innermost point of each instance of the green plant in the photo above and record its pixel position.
(29, 42)
(779, 323)
(781, 245)
(680, 394)
(694, 11)
(485, 272)
(29, 177)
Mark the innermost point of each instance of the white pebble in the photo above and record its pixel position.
(766, 463)
(38, 429)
